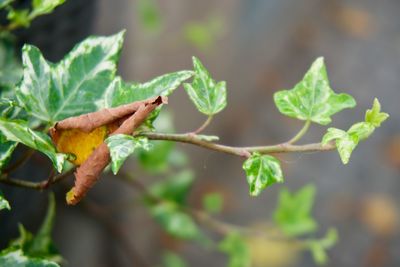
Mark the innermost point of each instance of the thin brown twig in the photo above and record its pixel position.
(193, 139)
(21, 161)
(200, 216)
(44, 184)
(237, 151)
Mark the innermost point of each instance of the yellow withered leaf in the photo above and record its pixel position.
(79, 143)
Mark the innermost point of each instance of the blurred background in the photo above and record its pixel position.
(257, 47)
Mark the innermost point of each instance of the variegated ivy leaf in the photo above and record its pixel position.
(374, 115)
(42, 7)
(18, 131)
(312, 99)
(122, 146)
(6, 150)
(346, 142)
(11, 69)
(237, 250)
(4, 3)
(120, 93)
(208, 96)
(75, 85)
(4, 203)
(16, 258)
(262, 171)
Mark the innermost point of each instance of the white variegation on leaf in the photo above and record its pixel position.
(16, 258)
(42, 7)
(122, 146)
(18, 131)
(312, 99)
(262, 171)
(120, 92)
(4, 203)
(6, 150)
(346, 142)
(75, 85)
(208, 96)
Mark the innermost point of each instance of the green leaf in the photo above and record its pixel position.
(10, 68)
(4, 3)
(161, 155)
(293, 212)
(6, 150)
(37, 249)
(122, 146)
(362, 130)
(175, 188)
(120, 93)
(25, 237)
(17, 258)
(19, 17)
(332, 134)
(4, 203)
(204, 34)
(318, 247)
(213, 202)
(74, 86)
(42, 7)
(155, 161)
(262, 171)
(237, 250)
(208, 96)
(374, 115)
(149, 14)
(174, 221)
(18, 131)
(346, 142)
(171, 259)
(312, 98)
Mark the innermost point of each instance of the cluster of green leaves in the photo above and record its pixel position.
(346, 141)
(24, 17)
(312, 100)
(30, 250)
(84, 81)
(169, 211)
(294, 218)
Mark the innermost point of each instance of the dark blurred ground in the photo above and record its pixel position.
(260, 47)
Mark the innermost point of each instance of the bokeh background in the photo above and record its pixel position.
(258, 47)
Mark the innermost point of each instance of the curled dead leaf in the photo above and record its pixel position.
(83, 136)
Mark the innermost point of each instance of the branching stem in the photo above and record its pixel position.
(301, 133)
(237, 151)
(203, 126)
(4, 178)
(220, 227)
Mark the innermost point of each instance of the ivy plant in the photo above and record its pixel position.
(38, 98)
